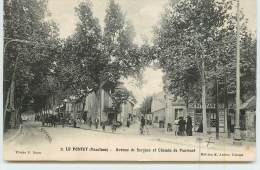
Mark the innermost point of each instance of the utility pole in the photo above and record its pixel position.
(226, 110)
(167, 104)
(102, 105)
(217, 112)
(237, 135)
(216, 102)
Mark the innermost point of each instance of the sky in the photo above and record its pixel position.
(144, 15)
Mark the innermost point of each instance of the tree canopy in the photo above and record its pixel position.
(31, 46)
(195, 47)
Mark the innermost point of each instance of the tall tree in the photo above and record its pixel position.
(187, 38)
(118, 43)
(30, 47)
(83, 63)
(197, 38)
(92, 62)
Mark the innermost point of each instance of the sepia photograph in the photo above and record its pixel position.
(129, 80)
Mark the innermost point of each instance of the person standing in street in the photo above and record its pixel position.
(189, 126)
(200, 129)
(103, 124)
(142, 125)
(175, 127)
(90, 122)
(96, 122)
(181, 123)
(114, 126)
(85, 117)
(128, 122)
(62, 121)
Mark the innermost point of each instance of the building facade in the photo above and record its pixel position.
(98, 105)
(248, 119)
(127, 110)
(158, 108)
(167, 108)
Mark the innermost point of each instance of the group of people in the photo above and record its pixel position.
(183, 126)
(89, 121)
(61, 119)
(50, 119)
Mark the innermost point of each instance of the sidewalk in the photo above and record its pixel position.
(200, 140)
(159, 134)
(11, 134)
(132, 130)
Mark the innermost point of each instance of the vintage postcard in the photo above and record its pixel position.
(129, 80)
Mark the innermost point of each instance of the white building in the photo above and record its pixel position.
(167, 108)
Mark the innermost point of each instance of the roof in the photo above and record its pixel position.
(249, 104)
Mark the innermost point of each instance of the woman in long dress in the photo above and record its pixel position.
(189, 126)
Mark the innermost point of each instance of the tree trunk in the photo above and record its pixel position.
(12, 107)
(187, 108)
(204, 109)
(101, 104)
(10, 99)
(84, 103)
(18, 118)
(97, 104)
(53, 103)
(7, 110)
(217, 111)
(187, 102)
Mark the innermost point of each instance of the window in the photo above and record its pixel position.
(213, 120)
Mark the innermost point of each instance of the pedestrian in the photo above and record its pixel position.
(200, 129)
(169, 127)
(54, 120)
(142, 125)
(175, 127)
(85, 116)
(103, 126)
(62, 121)
(128, 122)
(189, 126)
(114, 126)
(181, 123)
(74, 123)
(96, 122)
(90, 122)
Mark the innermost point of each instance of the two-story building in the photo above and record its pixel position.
(167, 108)
(158, 108)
